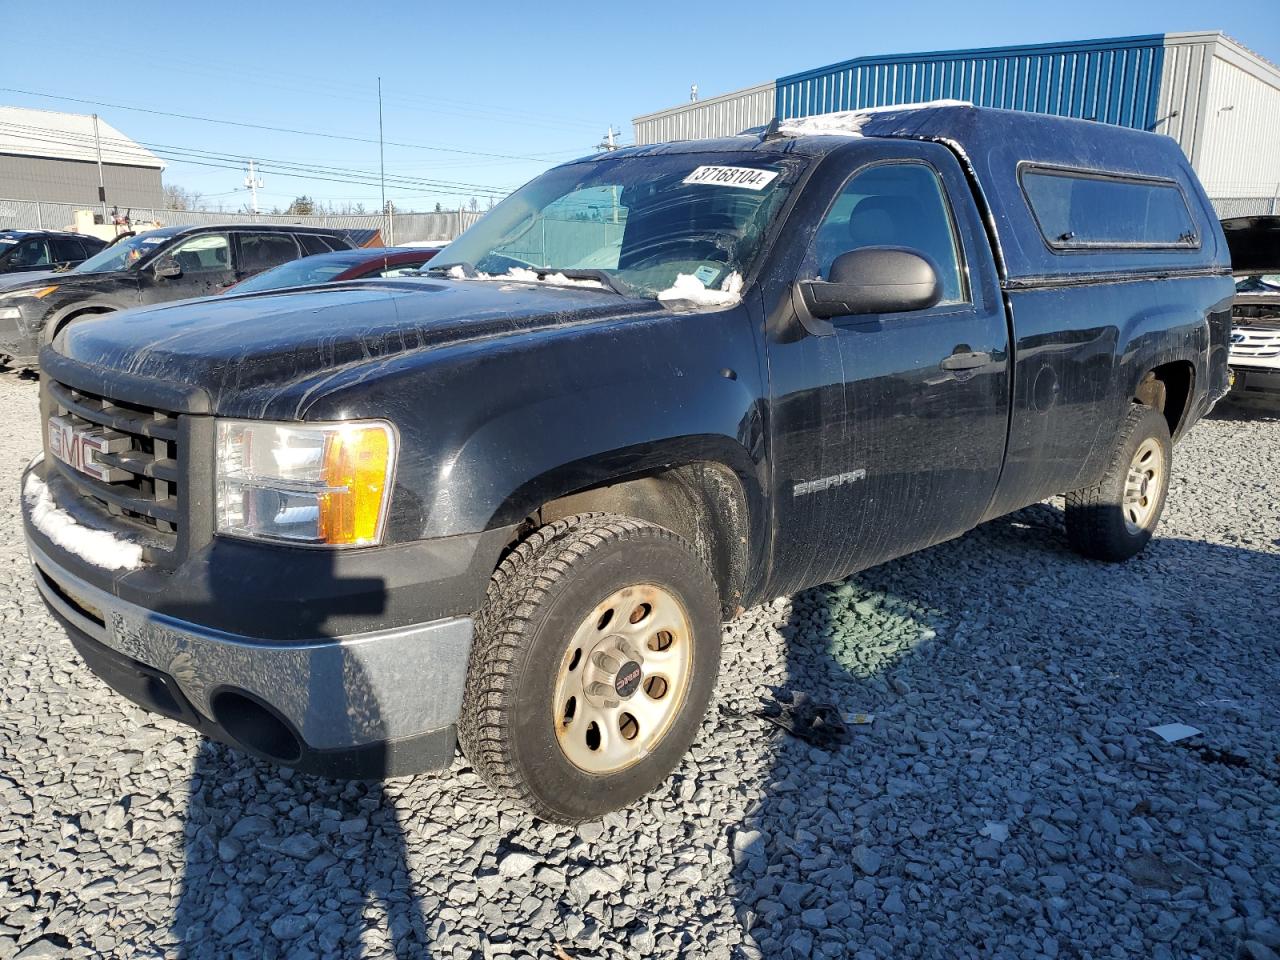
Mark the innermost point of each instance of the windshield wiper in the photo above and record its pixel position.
(468, 269)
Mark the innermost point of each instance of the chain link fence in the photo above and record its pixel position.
(402, 228)
(1245, 206)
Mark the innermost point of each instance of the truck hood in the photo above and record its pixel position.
(1254, 243)
(227, 354)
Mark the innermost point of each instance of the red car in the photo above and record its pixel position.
(340, 265)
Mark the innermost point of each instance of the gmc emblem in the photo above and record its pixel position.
(78, 447)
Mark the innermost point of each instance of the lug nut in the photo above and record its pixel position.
(630, 652)
(605, 662)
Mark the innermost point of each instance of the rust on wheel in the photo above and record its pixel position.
(622, 679)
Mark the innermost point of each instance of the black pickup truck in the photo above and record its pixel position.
(510, 503)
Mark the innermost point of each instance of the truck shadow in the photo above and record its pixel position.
(941, 804)
(281, 863)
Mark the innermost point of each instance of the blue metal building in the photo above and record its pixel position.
(1218, 99)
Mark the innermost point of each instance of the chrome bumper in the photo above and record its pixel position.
(338, 693)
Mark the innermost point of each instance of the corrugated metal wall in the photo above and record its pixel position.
(1188, 59)
(1219, 100)
(1114, 81)
(76, 181)
(1238, 149)
(721, 116)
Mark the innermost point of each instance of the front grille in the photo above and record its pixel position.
(142, 485)
(1254, 343)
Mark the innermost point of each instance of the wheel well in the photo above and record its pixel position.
(702, 502)
(1167, 388)
(76, 315)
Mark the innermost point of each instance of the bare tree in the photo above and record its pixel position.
(180, 198)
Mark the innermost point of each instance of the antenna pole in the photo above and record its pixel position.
(382, 173)
(102, 185)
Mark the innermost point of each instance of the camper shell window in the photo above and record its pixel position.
(1088, 210)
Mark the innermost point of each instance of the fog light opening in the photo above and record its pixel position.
(256, 727)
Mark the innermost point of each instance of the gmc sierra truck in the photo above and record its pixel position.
(507, 505)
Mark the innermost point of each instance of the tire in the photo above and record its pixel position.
(578, 584)
(1105, 522)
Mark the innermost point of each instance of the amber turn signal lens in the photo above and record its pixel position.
(357, 469)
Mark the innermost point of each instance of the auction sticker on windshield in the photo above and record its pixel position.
(746, 177)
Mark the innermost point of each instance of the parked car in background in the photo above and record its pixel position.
(28, 251)
(1255, 325)
(510, 503)
(172, 263)
(342, 265)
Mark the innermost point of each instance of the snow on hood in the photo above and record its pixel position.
(99, 547)
(848, 123)
(687, 287)
(691, 290)
(557, 279)
(521, 275)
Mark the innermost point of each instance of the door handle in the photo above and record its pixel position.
(967, 360)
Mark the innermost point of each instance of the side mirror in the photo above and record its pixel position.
(874, 280)
(167, 268)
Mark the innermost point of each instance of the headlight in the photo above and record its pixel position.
(39, 294)
(325, 484)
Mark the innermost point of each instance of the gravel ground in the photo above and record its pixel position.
(1007, 801)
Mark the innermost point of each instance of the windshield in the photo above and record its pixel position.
(1264, 283)
(296, 273)
(124, 254)
(639, 222)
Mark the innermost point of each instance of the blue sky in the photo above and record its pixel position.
(505, 91)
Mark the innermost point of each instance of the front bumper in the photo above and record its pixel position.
(18, 341)
(369, 705)
(1255, 382)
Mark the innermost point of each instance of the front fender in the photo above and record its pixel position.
(491, 430)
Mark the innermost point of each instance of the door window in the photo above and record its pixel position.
(206, 253)
(261, 251)
(892, 204)
(67, 250)
(32, 253)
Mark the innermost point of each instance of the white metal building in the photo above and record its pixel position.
(53, 157)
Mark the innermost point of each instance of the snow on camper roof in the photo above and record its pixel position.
(849, 123)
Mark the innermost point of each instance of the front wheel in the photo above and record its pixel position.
(593, 663)
(1116, 517)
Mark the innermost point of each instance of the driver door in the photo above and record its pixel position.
(205, 262)
(889, 429)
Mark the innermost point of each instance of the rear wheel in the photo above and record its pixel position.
(1115, 518)
(592, 667)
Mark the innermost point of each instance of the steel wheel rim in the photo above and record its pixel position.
(1142, 486)
(623, 679)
